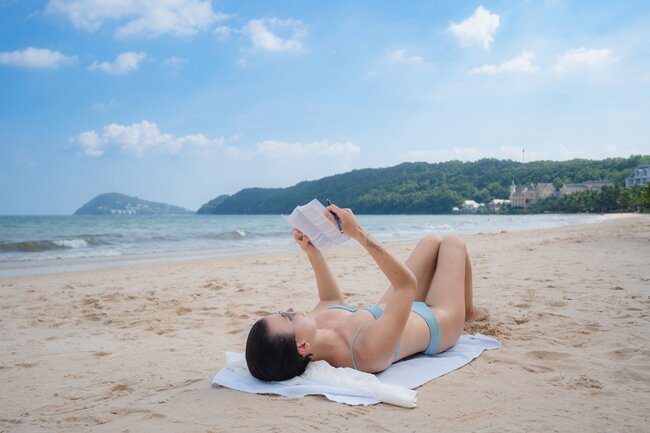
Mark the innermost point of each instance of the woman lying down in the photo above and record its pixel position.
(423, 311)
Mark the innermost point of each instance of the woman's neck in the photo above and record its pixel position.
(327, 345)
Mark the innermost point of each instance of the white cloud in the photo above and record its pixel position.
(561, 152)
(124, 63)
(515, 153)
(237, 153)
(150, 18)
(520, 63)
(470, 154)
(582, 57)
(279, 149)
(550, 151)
(263, 38)
(35, 58)
(400, 56)
(175, 62)
(223, 32)
(273, 149)
(90, 143)
(477, 29)
(437, 155)
(138, 139)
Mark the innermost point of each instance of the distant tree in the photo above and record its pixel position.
(644, 197)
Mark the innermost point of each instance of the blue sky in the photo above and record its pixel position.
(182, 100)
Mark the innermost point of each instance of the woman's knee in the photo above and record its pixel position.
(453, 242)
(430, 241)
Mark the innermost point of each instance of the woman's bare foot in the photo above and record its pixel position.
(477, 315)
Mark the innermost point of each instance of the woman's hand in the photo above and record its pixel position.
(349, 224)
(328, 288)
(303, 241)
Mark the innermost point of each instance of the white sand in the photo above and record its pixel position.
(134, 348)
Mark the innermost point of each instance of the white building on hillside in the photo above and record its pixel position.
(526, 196)
(590, 185)
(497, 205)
(470, 206)
(639, 177)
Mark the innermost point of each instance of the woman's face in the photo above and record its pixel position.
(301, 325)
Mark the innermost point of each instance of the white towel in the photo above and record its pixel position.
(346, 385)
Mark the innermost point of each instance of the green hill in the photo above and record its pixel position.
(422, 188)
(114, 203)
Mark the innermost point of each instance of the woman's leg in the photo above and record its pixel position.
(469, 301)
(422, 262)
(472, 312)
(451, 284)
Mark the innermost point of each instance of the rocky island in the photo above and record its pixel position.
(114, 203)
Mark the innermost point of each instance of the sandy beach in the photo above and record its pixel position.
(134, 349)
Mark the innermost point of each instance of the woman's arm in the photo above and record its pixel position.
(397, 273)
(400, 277)
(329, 291)
(383, 335)
(379, 339)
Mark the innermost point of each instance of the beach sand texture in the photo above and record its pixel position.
(134, 349)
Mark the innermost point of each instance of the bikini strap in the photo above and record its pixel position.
(354, 341)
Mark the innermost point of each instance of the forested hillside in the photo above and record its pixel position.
(422, 188)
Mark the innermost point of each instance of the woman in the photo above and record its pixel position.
(423, 311)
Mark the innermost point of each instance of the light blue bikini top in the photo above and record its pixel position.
(376, 311)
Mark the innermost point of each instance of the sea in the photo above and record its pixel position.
(31, 245)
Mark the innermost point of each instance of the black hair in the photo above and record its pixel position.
(273, 357)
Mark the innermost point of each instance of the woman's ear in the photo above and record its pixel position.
(303, 348)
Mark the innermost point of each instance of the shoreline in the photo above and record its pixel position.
(135, 348)
(9, 269)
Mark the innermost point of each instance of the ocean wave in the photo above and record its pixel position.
(441, 228)
(71, 243)
(230, 235)
(42, 245)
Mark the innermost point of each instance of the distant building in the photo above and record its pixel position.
(497, 205)
(544, 190)
(639, 177)
(571, 188)
(591, 185)
(521, 196)
(470, 206)
(526, 196)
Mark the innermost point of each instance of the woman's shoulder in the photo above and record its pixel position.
(344, 318)
(332, 305)
(335, 312)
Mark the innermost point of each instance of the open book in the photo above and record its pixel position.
(310, 220)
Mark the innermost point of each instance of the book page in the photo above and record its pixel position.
(310, 220)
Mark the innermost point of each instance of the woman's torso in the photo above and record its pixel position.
(349, 325)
